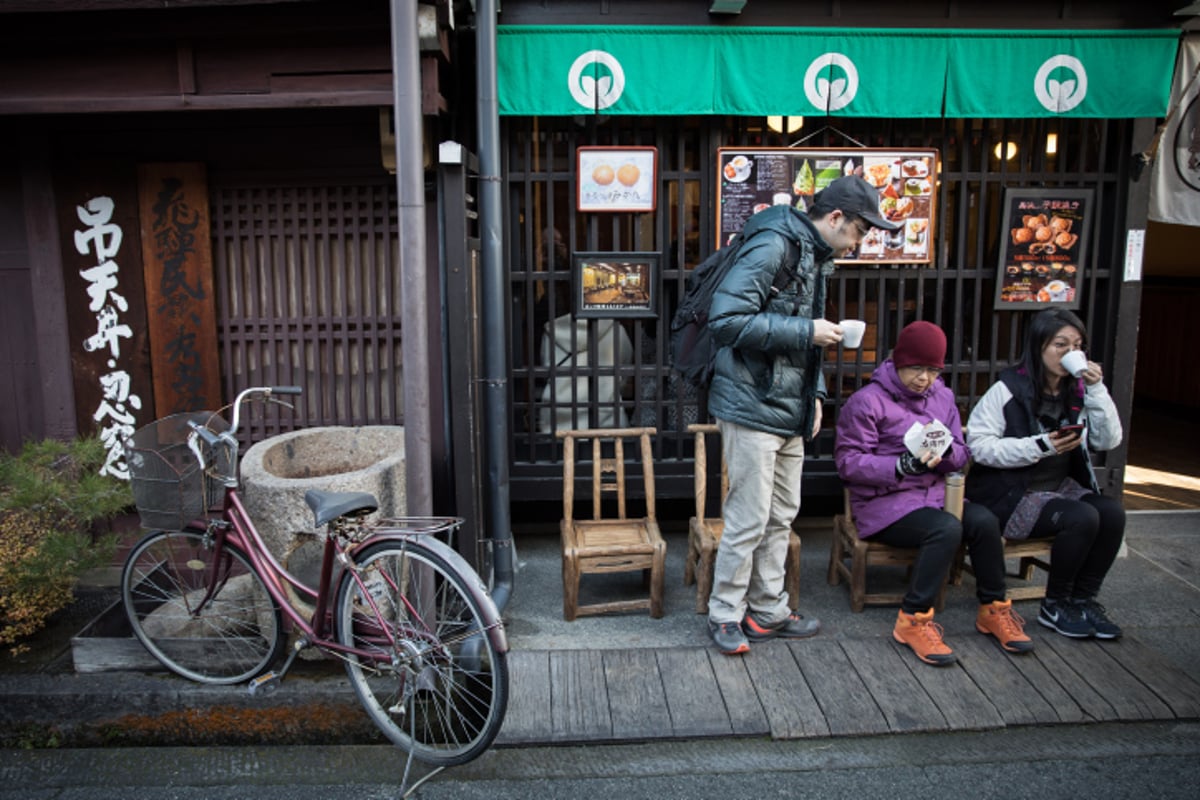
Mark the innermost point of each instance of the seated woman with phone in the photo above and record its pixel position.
(1029, 436)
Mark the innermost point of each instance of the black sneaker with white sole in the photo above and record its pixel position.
(1095, 613)
(1066, 617)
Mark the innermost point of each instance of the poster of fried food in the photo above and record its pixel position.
(753, 179)
(1042, 250)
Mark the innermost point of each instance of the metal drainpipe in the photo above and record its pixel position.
(410, 222)
(495, 334)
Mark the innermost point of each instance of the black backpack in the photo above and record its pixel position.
(692, 351)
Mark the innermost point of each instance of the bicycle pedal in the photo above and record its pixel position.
(263, 685)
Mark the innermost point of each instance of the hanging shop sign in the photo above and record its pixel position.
(617, 178)
(861, 72)
(753, 179)
(1044, 248)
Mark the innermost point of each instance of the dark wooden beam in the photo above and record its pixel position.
(56, 6)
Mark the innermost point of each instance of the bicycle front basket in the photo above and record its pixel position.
(170, 487)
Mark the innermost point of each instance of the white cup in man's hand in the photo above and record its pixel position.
(1075, 362)
(852, 332)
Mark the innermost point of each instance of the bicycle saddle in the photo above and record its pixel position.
(328, 506)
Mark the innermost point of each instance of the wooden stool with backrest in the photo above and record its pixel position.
(863, 553)
(608, 545)
(704, 533)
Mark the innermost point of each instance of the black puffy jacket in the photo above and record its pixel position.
(767, 373)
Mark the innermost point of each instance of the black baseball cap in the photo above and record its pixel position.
(854, 197)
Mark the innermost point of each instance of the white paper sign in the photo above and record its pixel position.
(933, 437)
(1135, 245)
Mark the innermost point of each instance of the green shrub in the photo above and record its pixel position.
(52, 497)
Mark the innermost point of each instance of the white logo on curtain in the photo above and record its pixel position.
(1175, 185)
(599, 90)
(1059, 96)
(826, 94)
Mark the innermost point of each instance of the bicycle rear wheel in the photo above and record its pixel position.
(229, 637)
(441, 692)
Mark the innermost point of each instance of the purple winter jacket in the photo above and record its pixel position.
(870, 437)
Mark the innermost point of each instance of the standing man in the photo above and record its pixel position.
(766, 396)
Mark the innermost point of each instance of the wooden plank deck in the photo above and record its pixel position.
(834, 687)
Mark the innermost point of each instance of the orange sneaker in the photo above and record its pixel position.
(924, 636)
(998, 619)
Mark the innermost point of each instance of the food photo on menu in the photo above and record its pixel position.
(906, 197)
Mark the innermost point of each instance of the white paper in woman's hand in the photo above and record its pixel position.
(933, 437)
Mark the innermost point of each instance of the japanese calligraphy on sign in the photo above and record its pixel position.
(1043, 248)
(177, 257)
(617, 178)
(98, 235)
(106, 322)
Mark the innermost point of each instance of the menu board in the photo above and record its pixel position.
(752, 179)
(1042, 253)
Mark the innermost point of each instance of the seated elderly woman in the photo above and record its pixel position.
(897, 496)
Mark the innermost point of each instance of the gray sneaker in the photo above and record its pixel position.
(795, 626)
(728, 637)
(1066, 617)
(1095, 613)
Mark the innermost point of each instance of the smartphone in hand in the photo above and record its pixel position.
(1067, 430)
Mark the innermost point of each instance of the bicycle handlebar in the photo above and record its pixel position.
(266, 391)
(211, 438)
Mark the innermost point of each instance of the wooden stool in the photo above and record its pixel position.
(704, 534)
(617, 544)
(863, 553)
(1030, 553)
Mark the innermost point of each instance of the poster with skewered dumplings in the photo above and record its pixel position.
(1044, 237)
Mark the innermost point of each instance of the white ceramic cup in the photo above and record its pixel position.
(1075, 362)
(852, 332)
(782, 199)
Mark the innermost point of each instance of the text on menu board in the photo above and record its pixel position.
(752, 179)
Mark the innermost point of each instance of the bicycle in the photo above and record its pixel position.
(423, 644)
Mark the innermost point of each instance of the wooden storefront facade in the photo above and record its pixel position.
(285, 106)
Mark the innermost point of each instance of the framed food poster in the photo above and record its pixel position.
(753, 179)
(1044, 247)
(615, 285)
(616, 178)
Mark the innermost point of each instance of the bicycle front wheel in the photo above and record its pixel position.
(206, 617)
(422, 663)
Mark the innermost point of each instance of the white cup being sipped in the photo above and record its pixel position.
(1075, 362)
(852, 332)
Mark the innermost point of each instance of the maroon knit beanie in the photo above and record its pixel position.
(921, 344)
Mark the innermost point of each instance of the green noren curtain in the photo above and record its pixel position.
(660, 70)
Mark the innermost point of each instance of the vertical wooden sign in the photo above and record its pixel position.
(180, 302)
(106, 318)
